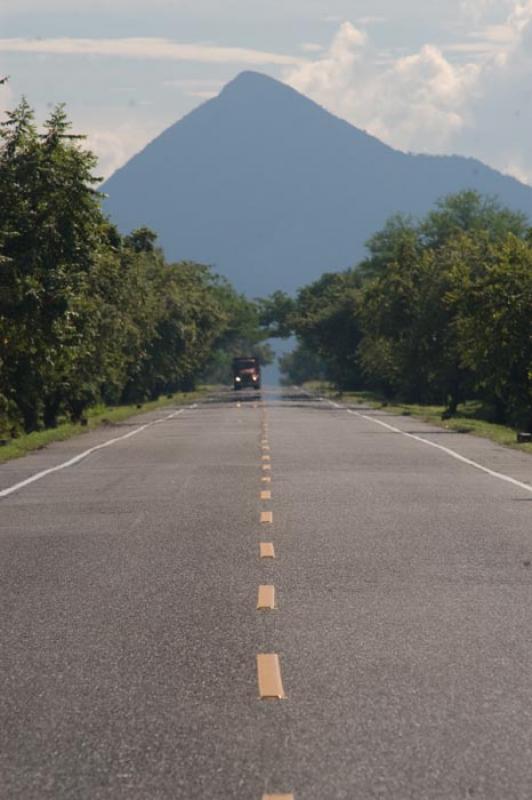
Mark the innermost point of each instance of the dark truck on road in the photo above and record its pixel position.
(246, 372)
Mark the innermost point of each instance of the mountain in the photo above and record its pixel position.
(274, 190)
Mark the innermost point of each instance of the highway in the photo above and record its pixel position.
(392, 654)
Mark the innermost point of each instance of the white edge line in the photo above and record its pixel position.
(500, 475)
(70, 463)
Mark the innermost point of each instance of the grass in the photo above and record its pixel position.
(96, 417)
(468, 419)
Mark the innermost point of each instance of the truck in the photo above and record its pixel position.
(246, 372)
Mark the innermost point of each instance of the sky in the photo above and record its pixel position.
(422, 75)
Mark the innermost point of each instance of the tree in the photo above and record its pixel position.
(400, 235)
(52, 223)
(243, 333)
(84, 313)
(470, 212)
(301, 365)
(493, 323)
(326, 321)
(276, 313)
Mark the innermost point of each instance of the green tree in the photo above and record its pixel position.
(493, 309)
(399, 236)
(276, 315)
(51, 220)
(301, 365)
(326, 321)
(472, 213)
(243, 333)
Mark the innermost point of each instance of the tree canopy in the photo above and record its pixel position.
(440, 311)
(85, 313)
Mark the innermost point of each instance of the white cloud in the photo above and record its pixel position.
(518, 170)
(146, 48)
(327, 77)
(311, 47)
(428, 102)
(115, 146)
(415, 102)
(469, 95)
(476, 9)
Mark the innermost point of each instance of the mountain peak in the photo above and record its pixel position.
(249, 79)
(274, 190)
(250, 84)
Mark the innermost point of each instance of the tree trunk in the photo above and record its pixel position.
(500, 411)
(51, 410)
(30, 417)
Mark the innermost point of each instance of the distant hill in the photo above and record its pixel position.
(274, 190)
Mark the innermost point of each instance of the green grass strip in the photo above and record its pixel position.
(97, 416)
(466, 420)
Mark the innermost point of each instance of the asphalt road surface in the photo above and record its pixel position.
(402, 624)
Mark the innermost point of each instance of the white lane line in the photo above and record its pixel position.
(70, 463)
(500, 475)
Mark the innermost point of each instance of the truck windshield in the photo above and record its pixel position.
(244, 363)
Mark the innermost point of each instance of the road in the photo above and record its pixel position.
(402, 621)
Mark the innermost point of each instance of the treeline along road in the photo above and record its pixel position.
(439, 312)
(86, 314)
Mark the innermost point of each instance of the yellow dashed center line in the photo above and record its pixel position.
(269, 677)
(268, 665)
(266, 598)
(266, 550)
(277, 797)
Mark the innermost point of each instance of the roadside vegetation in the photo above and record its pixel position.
(437, 320)
(89, 316)
(97, 416)
(438, 315)
(470, 417)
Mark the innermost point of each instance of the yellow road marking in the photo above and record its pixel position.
(266, 550)
(277, 797)
(266, 494)
(265, 446)
(269, 675)
(266, 599)
(266, 517)
(266, 458)
(266, 479)
(266, 467)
